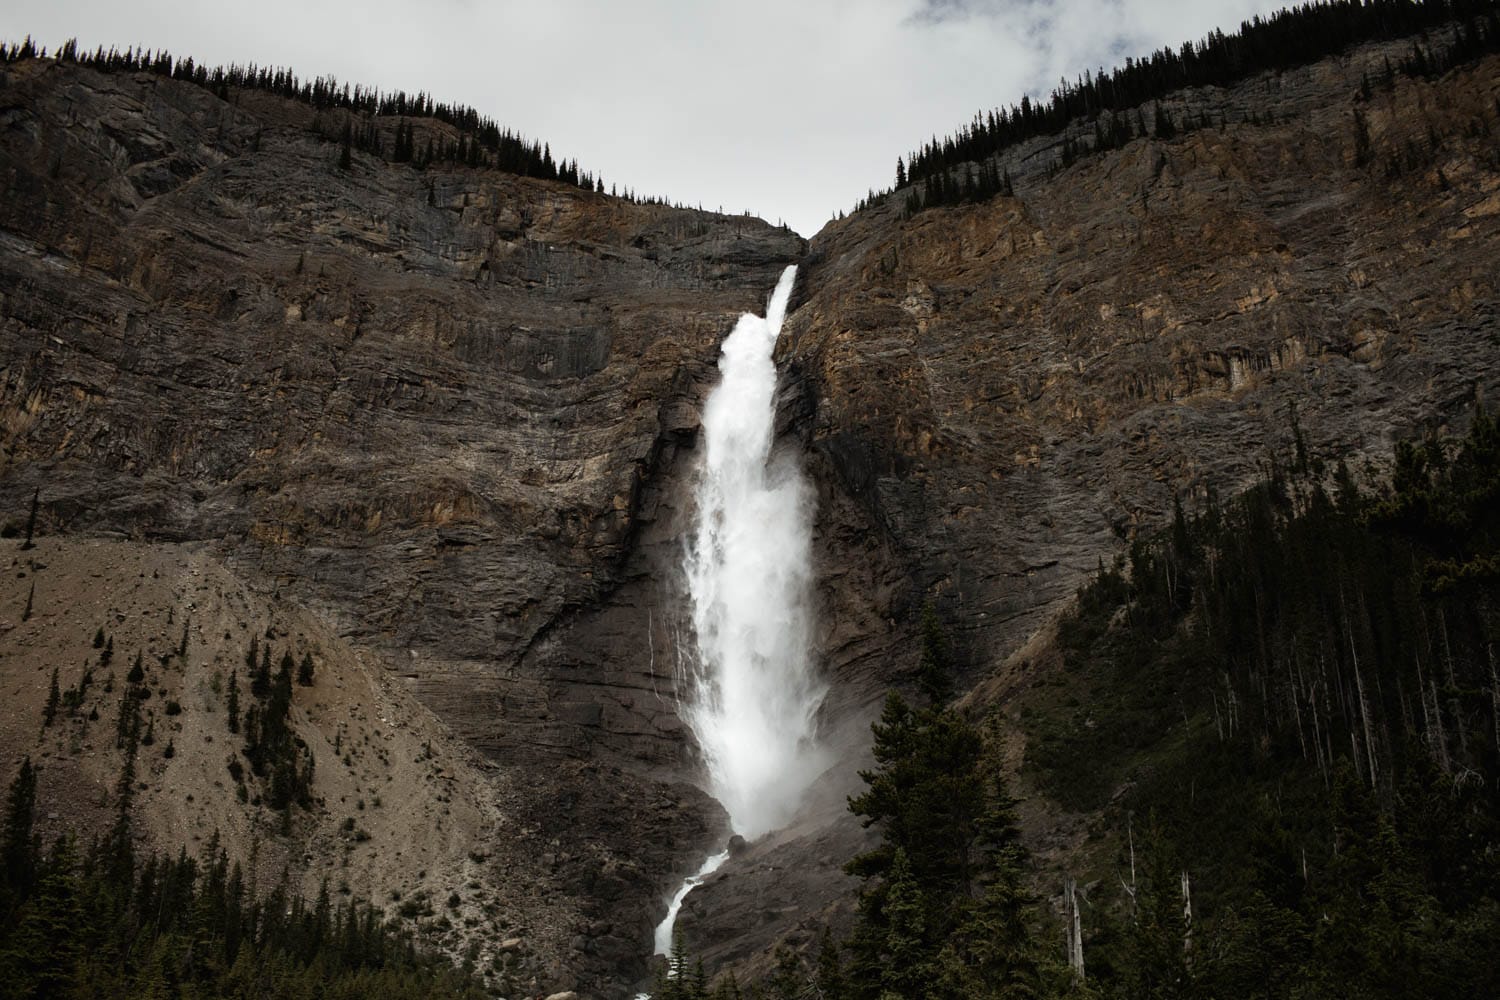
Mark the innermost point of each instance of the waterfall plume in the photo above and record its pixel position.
(754, 697)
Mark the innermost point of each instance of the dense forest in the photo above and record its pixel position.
(957, 168)
(1284, 713)
(103, 921)
(1296, 696)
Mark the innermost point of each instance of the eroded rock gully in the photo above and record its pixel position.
(451, 412)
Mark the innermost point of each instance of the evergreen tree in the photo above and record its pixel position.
(39, 958)
(18, 850)
(260, 676)
(934, 672)
(54, 698)
(675, 981)
(1164, 127)
(944, 905)
(829, 976)
(729, 989)
(234, 701)
(1157, 965)
(788, 979)
(31, 520)
(906, 954)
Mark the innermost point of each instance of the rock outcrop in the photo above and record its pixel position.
(451, 413)
(998, 396)
(440, 409)
(1009, 389)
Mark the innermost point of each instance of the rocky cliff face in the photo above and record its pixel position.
(436, 405)
(1002, 394)
(452, 412)
(441, 409)
(1009, 389)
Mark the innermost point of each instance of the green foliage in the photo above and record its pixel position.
(1300, 687)
(18, 850)
(41, 947)
(1165, 128)
(1299, 690)
(960, 186)
(260, 680)
(277, 756)
(54, 699)
(91, 927)
(934, 672)
(681, 978)
(1311, 623)
(828, 978)
(128, 723)
(233, 707)
(482, 142)
(944, 908)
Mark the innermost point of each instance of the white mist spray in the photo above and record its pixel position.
(755, 695)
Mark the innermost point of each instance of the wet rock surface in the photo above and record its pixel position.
(436, 405)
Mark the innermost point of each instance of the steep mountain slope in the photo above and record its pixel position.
(436, 408)
(440, 423)
(404, 814)
(1005, 392)
(1010, 388)
(433, 399)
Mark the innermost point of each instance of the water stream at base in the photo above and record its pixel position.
(664, 929)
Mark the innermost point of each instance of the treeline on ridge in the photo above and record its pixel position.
(481, 141)
(938, 173)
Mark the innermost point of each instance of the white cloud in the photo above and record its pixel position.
(789, 108)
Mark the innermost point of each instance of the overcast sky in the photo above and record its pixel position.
(792, 109)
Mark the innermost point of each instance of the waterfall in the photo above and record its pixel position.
(754, 695)
(751, 695)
